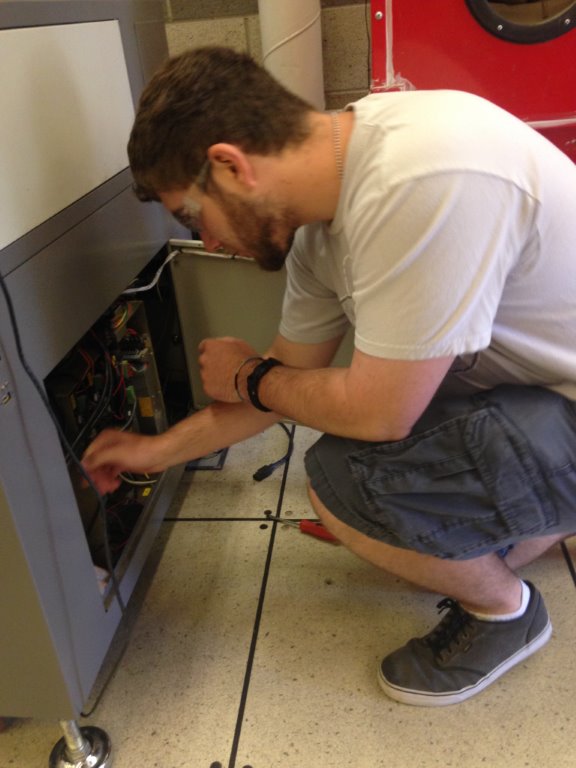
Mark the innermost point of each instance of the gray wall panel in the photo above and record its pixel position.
(81, 273)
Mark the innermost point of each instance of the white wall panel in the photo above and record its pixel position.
(65, 116)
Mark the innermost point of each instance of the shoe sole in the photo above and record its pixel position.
(420, 699)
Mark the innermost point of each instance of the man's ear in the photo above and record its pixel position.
(230, 165)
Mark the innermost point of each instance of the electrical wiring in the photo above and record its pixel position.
(45, 401)
(134, 369)
(133, 481)
(120, 387)
(156, 277)
(131, 419)
(102, 406)
(114, 384)
(89, 372)
(119, 319)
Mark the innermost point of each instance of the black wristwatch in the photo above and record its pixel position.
(254, 379)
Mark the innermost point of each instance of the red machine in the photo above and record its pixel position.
(520, 54)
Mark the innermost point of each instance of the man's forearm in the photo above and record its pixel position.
(316, 398)
(219, 425)
(374, 399)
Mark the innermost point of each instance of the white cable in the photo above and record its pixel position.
(130, 421)
(292, 46)
(553, 122)
(130, 481)
(291, 37)
(390, 76)
(156, 276)
(394, 81)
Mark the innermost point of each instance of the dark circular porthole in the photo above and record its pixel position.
(525, 21)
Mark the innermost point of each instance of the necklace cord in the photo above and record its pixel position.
(337, 142)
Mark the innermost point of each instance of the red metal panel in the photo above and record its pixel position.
(378, 31)
(439, 44)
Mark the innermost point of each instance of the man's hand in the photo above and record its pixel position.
(113, 452)
(219, 361)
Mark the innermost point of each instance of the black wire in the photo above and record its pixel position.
(267, 469)
(43, 397)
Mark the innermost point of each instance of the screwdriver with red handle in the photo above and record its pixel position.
(310, 527)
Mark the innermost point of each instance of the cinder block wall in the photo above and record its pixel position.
(345, 38)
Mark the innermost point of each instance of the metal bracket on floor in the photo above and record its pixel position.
(87, 747)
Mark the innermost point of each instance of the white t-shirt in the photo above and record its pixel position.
(455, 234)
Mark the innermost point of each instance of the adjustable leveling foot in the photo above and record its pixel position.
(87, 747)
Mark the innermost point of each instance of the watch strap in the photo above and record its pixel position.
(254, 379)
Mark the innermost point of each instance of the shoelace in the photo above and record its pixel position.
(452, 632)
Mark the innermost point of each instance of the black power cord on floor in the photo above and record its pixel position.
(268, 469)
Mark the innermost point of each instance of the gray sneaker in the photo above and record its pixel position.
(463, 654)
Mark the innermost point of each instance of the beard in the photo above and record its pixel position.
(258, 230)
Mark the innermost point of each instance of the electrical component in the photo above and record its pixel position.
(109, 379)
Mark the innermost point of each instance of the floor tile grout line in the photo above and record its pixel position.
(263, 519)
(257, 621)
(569, 561)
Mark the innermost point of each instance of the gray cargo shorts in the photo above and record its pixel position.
(477, 474)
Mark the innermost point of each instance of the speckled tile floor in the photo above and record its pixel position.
(256, 647)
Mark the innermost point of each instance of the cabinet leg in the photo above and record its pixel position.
(87, 747)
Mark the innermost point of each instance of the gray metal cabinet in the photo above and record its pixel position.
(60, 275)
